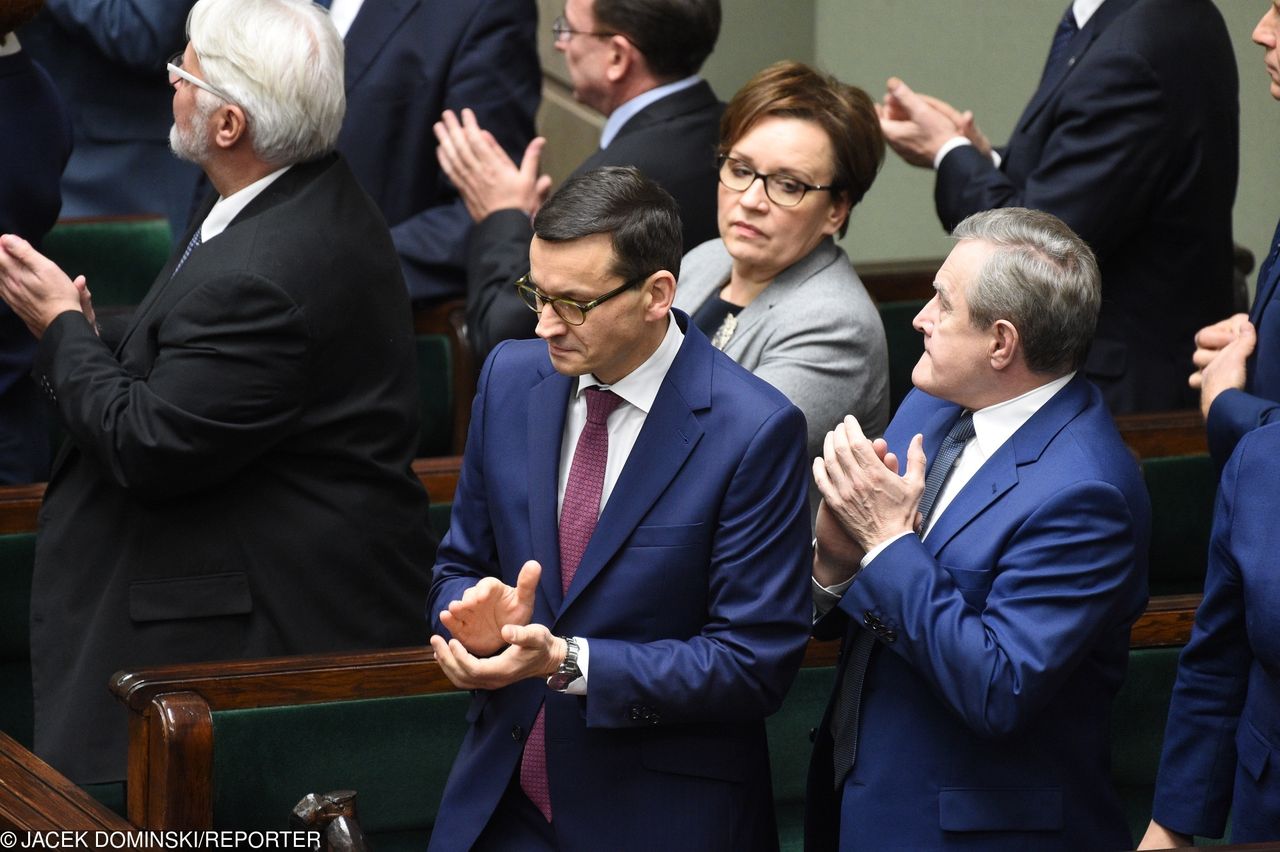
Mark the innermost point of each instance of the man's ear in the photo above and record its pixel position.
(621, 59)
(660, 292)
(230, 126)
(1006, 344)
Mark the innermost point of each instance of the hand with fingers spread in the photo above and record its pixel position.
(486, 178)
(34, 287)
(478, 619)
(861, 487)
(532, 651)
(916, 126)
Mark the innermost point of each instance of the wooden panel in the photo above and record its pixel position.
(1166, 622)
(899, 280)
(19, 506)
(1164, 433)
(35, 797)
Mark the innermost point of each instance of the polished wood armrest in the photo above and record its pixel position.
(36, 797)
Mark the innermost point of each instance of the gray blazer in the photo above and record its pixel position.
(814, 334)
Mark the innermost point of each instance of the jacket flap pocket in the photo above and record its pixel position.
(667, 535)
(190, 597)
(1252, 749)
(1000, 809)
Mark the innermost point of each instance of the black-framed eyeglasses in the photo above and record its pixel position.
(574, 313)
(177, 72)
(783, 190)
(562, 32)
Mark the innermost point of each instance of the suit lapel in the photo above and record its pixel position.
(1083, 39)
(375, 23)
(548, 402)
(783, 286)
(1000, 472)
(1267, 276)
(670, 433)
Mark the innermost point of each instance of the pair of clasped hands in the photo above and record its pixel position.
(494, 644)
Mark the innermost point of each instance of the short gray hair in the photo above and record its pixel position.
(1042, 278)
(281, 61)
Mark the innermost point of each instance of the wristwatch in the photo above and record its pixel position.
(568, 671)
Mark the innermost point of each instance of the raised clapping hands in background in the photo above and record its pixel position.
(486, 178)
(916, 126)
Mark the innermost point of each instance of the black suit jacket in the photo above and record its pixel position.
(407, 61)
(672, 142)
(1135, 146)
(238, 478)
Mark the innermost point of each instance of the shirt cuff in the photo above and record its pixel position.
(875, 551)
(956, 142)
(578, 686)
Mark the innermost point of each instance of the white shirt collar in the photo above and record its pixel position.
(9, 44)
(1084, 9)
(343, 13)
(226, 209)
(994, 425)
(627, 111)
(640, 386)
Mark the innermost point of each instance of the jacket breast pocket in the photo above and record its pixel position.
(667, 535)
(181, 598)
(1000, 809)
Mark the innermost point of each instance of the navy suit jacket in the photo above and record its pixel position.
(107, 60)
(407, 61)
(1234, 412)
(1135, 146)
(693, 595)
(1004, 637)
(1222, 743)
(672, 142)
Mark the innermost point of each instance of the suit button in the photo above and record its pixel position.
(813, 735)
(870, 620)
(889, 637)
(517, 733)
(636, 713)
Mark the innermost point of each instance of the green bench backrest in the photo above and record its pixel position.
(120, 258)
(905, 346)
(435, 395)
(17, 558)
(394, 752)
(1182, 490)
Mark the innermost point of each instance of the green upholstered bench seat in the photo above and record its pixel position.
(394, 752)
(435, 395)
(790, 747)
(119, 256)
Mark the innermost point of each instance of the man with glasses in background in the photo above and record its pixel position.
(624, 581)
(237, 477)
(634, 61)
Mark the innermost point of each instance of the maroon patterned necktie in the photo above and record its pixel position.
(578, 518)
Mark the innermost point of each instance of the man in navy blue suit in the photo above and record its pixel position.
(1132, 139)
(985, 605)
(624, 582)
(107, 61)
(1238, 371)
(406, 62)
(634, 61)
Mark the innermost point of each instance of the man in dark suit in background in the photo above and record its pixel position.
(631, 521)
(31, 164)
(406, 61)
(985, 606)
(1131, 139)
(635, 61)
(1238, 359)
(107, 61)
(238, 477)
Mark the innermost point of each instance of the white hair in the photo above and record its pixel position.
(281, 62)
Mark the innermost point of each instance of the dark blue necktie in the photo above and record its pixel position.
(844, 716)
(186, 253)
(1062, 36)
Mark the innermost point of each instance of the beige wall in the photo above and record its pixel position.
(983, 55)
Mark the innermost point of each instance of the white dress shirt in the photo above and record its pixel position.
(9, 44)
(638, 390)
(343, 13)
(226, 209)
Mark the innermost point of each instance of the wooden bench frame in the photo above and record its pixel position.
(35, 797)
(171, 708)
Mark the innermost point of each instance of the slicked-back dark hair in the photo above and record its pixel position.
(641, 218)
(675, 36)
